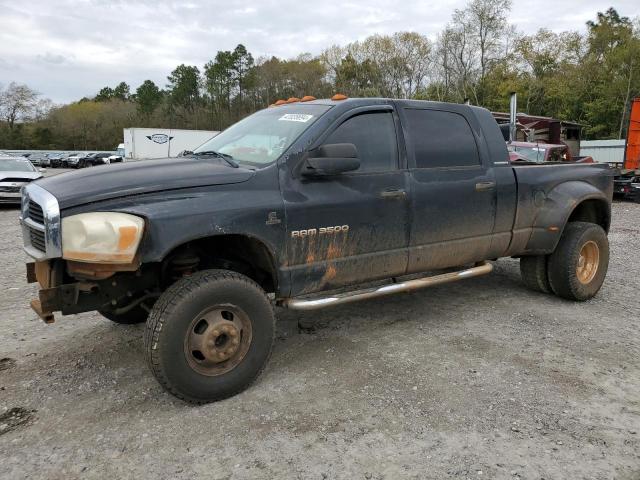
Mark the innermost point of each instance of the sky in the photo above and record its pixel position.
(70, 49)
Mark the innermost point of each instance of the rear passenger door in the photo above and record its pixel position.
(453, 194)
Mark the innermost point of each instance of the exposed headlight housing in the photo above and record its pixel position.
(101, 237)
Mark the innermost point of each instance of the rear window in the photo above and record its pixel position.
(440, 139)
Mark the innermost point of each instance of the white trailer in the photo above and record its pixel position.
(148, 143)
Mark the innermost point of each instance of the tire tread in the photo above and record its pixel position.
(562, 276)
(533, 270)
(163, 308)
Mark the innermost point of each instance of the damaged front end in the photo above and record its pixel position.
(72, 287)
(83, 262)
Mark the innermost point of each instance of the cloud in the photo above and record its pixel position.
(49, 57)
(69, 49)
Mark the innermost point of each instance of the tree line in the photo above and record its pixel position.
(479, 57)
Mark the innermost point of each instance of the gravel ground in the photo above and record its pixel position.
(478, 379)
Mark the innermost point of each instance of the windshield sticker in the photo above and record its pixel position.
(296, 117)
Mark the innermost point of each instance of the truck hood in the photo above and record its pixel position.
(6, 176)
(134, 178)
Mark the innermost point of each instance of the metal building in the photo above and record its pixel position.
(603, 151)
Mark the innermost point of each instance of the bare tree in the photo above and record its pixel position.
(17, 103)
(478, 37)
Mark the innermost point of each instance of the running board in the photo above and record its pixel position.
(314, 304)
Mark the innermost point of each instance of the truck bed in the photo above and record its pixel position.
(539, 205)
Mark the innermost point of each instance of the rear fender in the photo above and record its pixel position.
(556, 209)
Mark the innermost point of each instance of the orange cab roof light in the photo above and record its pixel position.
(339, 96)
(280, 102)
(293, 100)
(307, 98)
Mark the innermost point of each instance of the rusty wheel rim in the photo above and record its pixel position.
(217, 340)
(588, 262)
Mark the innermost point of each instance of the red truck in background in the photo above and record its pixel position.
(542, 153)
(534, 139)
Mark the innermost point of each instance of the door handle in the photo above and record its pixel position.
(484, 186)
(393, 193)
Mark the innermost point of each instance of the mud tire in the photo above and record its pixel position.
(170, 322)
(533, 271)
(564, 261)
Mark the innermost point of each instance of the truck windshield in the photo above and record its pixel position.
(533, 154)
(261, 138)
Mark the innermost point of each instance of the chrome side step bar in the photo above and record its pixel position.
(314, 304)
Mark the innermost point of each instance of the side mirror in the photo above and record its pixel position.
(331, 159)
(42, 170)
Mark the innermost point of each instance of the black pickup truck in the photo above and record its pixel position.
(304, 205)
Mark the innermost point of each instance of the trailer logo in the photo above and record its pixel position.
(159, 138)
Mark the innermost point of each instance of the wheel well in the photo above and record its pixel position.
(239, 253)
(592, 211)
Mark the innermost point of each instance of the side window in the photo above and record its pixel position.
(374, 136)
(441, 139)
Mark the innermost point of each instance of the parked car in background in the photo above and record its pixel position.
(94, 159)
(38, 159)
(540, 152)
(627, 187)
(55, 159)
(68, 155)
(73, 161)
(115, 158)
(15, 172)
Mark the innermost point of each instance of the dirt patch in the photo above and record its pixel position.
(7, 363)
(14, 418)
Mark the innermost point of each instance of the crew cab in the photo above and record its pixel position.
(305, 204)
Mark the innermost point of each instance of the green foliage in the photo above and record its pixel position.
(121, 91)
(104, 95)
(147, 98)
(184, 87)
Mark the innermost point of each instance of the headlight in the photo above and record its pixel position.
(101, 237)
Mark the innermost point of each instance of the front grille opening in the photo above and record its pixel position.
(35, 213)
(36, 238)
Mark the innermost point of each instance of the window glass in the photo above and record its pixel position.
(440, 139)
(260, 139)
(16, 165)
(374, 136)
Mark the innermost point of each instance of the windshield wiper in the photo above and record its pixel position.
(226, 157)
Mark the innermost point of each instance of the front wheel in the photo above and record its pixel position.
(578, 266)
(210, 335)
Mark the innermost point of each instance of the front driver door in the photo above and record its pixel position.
(352, 227)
